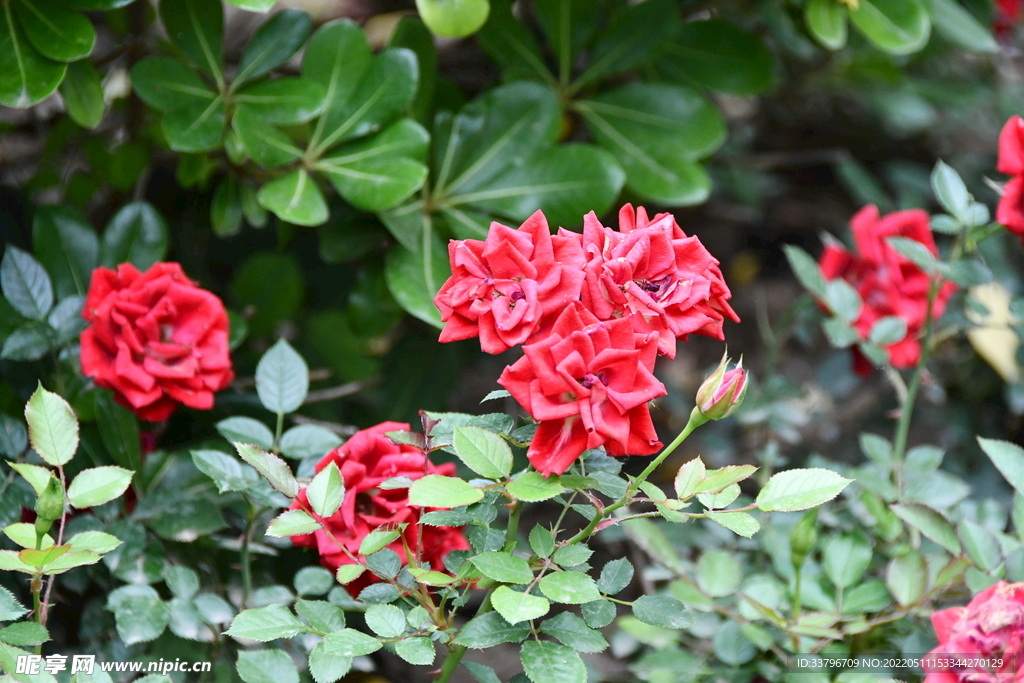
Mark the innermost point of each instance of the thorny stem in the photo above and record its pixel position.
(696, 420)
(37, 587)
(245, 556)
(60, 541)
(899, 445)
(457, 652)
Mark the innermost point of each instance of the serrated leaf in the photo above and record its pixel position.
(503, 567)
(663, 611)
(274, 469)
(26, 286)
(98, 485)
(282, 379)
(534, 487)
(740, 523)
(482, 451)
(326, 491)
(435, 490)
(351, 643)
(265, 624)
(516, 607)
(292, 523)
(800, 489)
(490, 629)
(545, 661)
(52, 427)
(571, 588)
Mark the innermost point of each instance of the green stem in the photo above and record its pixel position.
(899, 445)
(513, 526)
(244, 557)
(696, 420)
(457, 652)
(37, 604)
(278, 431)
(796, 594)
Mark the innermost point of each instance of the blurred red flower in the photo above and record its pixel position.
(1010, 211)
(587, 383)
(502, 288)
(990, 627)
(366, 460)
(889, 284)
(156, 339)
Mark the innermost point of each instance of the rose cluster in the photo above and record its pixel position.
(365, 461)
(592, 313)
(1010, 211)
(889, 284)
(156, 339)
(987, 636)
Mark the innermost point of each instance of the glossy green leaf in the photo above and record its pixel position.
(417, 650)
(98, 485)
(197, 127)
(273, 44)
(490, 629)
(283, 100)
(273, 469)
(412, 34)
(453, 18)
(515, 607)
(226, 208)
(52, 427)
(29, 342)
(511, 45)
(25, 284)
(545, 661)
(26, 77)
(572, 588)
(534, 487)
(826, 21)
(482, 451)
(267, 145)
(615, 576)
(137, 234)
(503, 567)
(845, 559)
(165, 84)
(67, 246)
(326, 491)
(295, 198)
(957, 25)
(720, 56)
(898, 27)
(565, 182)
(325, 667)
(292, 523)
(413, 279)
(82, 92)
(196, 28)
(636, 35)
(574, 632)
(57, 32)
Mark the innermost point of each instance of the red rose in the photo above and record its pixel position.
(501, 289)
(889, 284)
(990, 627)
(1008, 13)
(365, 460)
(155, 339)
(1010, 211)
(653, 273)
(587, 383)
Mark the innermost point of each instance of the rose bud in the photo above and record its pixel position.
(723, 391)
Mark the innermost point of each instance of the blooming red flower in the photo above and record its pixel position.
(155, 339)
(1008, 14)
(366, 460)
(1010, 211)
(991, 626)
(503, 288)
(889, 284)
(587, 383)
(651, 272)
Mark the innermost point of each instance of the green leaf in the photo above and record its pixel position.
(907, 577)
(541, 540)
(950, 190)
(845, 559)
(336, 57)
(888, 330)
(347, 573)
(295, 198)
(119, 430)
(26, 286)
(511, 45)
(598, 613)
(326, 491)
(482, 451)
(413, 279)
(574, 632)
(826, 21)
(266, 666)
(13, 438)
(435, 490)
(418, 650)
(313, 581)
(387, 621)
(98, 485)
(1008, 459)
(564, 182)
(248, 430)
(226, 207)
(930, 523)
(26, 77)
(24, 634)
(657, 131)
(515, 606)
(731, 646)
(843, 300)
(292, 523)
(545, 661)
(267, 146)
(378, 539)
(183, 582)
(572, 588)
(490, 629)
(503, 567)
(960, 27)
(195, 27)
(37, 477)
(453, 18)
(141, 618)
(350, 643)
(67, 247)
(720, 56)
(253, 5)
(308, 441)
(29, 342)
(615, 576)
(282, 379)
(137, 234)
(719, 573)
(165, 84)
(57, 32)
(663, 611)
(572, 555)
(898, 27)
(265, 624)
(52, 427)
(412, 34)
(325, 667)
(637, 34)
(226, 471)
(380, 171)
(283, 100)
(534, 487)
(274, 469)
(196, 127)
(800, 489)
(82, 92)
(321, 615)
(10, 609)
(806, 268)
(273, 44)
(716, 481)
(740, 523)
(980, 544)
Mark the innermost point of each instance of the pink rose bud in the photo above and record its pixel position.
(723, 391)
